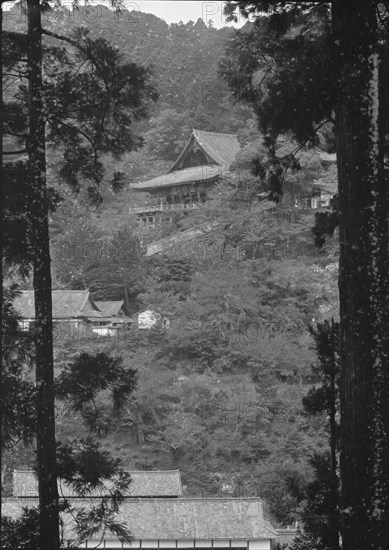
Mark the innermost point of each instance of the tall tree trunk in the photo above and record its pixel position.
(363, 280)
(46, 452)
(332, 416)
(1, 227)
(334, 516)
(126, 295)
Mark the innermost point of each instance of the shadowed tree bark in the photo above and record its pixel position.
(122, 93)
(39, 246)
(363, 281)
(1, 221)
(336, 55)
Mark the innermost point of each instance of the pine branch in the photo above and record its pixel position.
(65, 39)
(21, 136)
(78, 46)
(59, 121)
(299, 147)
(15, 152)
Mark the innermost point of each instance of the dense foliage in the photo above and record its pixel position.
(187, 84)
(334, 57)
(218, 394)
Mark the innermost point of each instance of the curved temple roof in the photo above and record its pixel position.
(188, 175)
(220, 151)
(220, 148)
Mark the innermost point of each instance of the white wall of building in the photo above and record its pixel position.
(263, 544)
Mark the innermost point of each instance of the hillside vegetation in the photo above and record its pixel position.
(219, 392)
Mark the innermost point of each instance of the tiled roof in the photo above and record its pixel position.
(150, 483)
(221, 148)
(188, 518)
(110, 308)
(182, 518)
(181, 177)
(67, 304)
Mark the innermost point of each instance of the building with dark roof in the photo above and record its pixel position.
(206, 158)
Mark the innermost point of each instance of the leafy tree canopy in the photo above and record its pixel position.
(168, 134)
(282, 65)
(83, 130)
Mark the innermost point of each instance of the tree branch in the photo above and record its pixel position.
(9, 133)
(12, 75)
(15, 152)
(77, 130)
(76, 45)
(299, 147)
(64, 39)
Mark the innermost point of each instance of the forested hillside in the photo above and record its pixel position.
(219, 393)
(183, 59)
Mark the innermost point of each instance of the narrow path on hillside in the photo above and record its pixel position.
(178, 238)
(190, 234)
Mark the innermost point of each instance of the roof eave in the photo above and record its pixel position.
(165, 185)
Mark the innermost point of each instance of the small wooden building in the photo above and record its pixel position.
(76, 314)
(313, 201)
(115, 318)
(206, 158)
(74, 307)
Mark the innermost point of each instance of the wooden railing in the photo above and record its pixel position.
(162, 208)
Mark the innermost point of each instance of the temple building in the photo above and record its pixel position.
(157, 515)
(206, 158)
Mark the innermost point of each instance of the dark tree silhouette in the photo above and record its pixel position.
(61, 105)
(303, 64)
